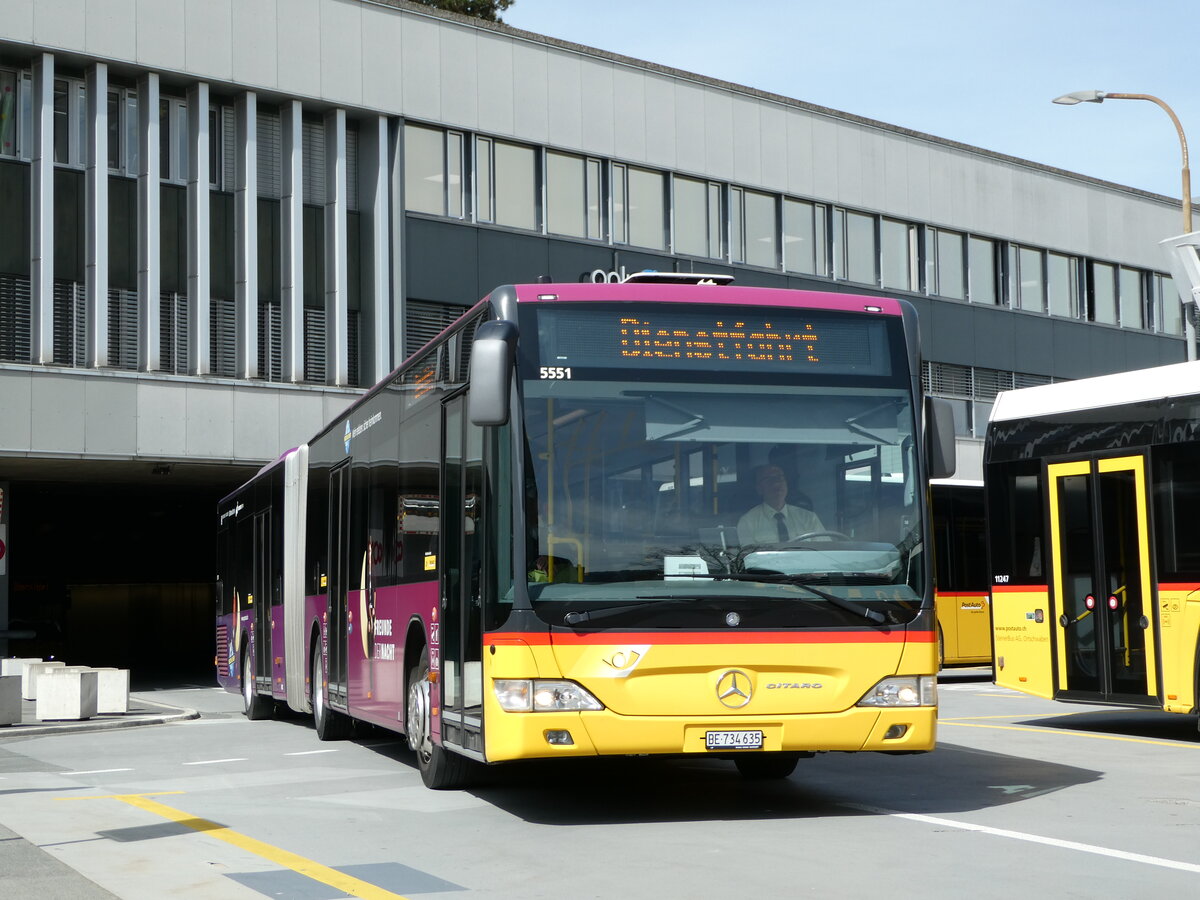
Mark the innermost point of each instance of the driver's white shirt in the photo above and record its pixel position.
(758, 526)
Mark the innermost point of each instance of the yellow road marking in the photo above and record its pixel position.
(1083, 734)
(307, 867)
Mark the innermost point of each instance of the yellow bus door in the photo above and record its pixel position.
(1101, 594)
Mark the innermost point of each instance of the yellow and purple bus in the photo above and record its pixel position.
(1091, 486)
(524, 543)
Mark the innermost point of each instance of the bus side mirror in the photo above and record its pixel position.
(939, 437)
(492, 354)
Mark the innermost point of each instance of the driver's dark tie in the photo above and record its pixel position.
(781, 526)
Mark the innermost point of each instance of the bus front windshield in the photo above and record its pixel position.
(677, 501)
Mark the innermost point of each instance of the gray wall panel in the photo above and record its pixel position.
(1033, 345)
(629, 113)
(111, 422)
(995, 338)
(774, 145)
(442, 261)
(659, 121)
(57, 406)
(255, 44)
(382, 62)
(162, 419)
(747, 140)
(18, 20)
(919, 180)
(568, 261)
(495, 86)
(256, 418)
(598, 106)
(422, 61)
(691, 137)
(800, 152)
(892, 177)
(530, 92)
(341, 48)
(824, 160)
(209, 38)
(949, 332)
(16, 409)
(506, 258)
(848, 145)
(160, 40)
(58, 23)
(459, 81)
(299, 42)
(107, 30)
(564, 100)
(718, 134)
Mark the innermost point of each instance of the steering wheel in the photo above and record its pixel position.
(816, 534)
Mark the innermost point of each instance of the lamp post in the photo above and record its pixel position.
(1099, 97)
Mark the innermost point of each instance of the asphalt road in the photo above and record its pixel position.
(1022, 798)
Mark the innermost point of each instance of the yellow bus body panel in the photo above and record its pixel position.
(966, 627)
(1023, 654)
(1179, 624)
(661, 698)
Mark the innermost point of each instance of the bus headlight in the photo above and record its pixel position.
(538, 695)
(903, 690)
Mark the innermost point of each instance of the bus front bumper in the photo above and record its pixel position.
(510, 736)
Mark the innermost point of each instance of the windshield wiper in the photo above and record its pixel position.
(657, 601)
(871, 615)
(590, 615)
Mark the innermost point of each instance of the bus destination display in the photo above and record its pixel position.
(742, 340)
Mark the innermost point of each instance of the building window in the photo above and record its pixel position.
(897, 244)
(1167, 304)
(505, 183)
(433, 171)
(696, 215)
(9, 106)
(1062, 285)
(639, 207)
(753, 229)
(1027, 285)
(805, 248)
(573, 195)
(173, 140)
(1132, 298)
(947, 250)
(1102, 293)
(855, 250)
(981, 270)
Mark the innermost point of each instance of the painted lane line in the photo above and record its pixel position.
(1080, 734)
(95, 772)
(347, 884)
(1034, 839)
(310, 752)
(213, 762)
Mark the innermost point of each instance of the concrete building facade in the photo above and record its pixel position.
(220, 220)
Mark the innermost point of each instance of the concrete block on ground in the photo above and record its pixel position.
(66, 693)
(30, 672)
(12, 665)
(112, 690)
(10, 699)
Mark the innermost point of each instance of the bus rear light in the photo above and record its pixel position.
(910, 690)
(536, 695)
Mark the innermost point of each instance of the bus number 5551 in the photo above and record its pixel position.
(554, 373)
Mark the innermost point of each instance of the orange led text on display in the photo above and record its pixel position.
(723, 340)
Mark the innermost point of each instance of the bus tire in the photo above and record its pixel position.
(440, 769)
(766, 766)
(330, 724)
(254, 705)
(941, 649)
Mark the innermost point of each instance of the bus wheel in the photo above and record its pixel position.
(330, 724)
(440, 769)
(941, 649)
(254, 705)
(764, 766)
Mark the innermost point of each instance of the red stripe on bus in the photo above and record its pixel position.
(1180, 586)
(701, 638)
(1020, 589)
(961, 594)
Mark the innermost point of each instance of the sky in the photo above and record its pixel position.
(981, 73)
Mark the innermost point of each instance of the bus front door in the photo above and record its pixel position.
(338, 582)
(1102, 596)
(461, 607)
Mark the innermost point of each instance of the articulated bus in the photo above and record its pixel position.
(1095, 570)
(960, 573)
(524, 542)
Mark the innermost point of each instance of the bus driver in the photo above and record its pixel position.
(775, 521)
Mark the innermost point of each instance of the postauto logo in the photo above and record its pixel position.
(352, 432)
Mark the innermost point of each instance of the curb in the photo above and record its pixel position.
(108, 723)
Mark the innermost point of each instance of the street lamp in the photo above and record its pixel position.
(1099, 97)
